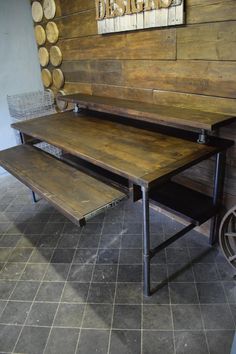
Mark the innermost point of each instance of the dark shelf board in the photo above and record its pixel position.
(187, 203)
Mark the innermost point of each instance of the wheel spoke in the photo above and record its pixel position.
(231, 259)
(230, 234)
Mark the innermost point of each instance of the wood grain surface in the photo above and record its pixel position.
(46, 77)
(139, 155)
(74, 193)
(43, 56)
(37, 11)
(55, 56)
(170, 116)
(58, 78)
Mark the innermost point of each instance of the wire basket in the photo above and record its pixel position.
(32, 105)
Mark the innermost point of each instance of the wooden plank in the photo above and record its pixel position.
(136, 45)
(191, 101)
(212, 41)
(213, 78)
(136, 154)
(77, 25)
(74, 193)
(170, 116)
(199, 11)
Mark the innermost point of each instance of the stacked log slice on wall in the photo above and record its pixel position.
(46, 78)
(37, 11)
(58, 78)
(49, 8)
(40, 34)
(61, 105)
(52, 32)
(51, 92)
(55, 56)
(43, 56)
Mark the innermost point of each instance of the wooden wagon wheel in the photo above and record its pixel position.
(227, 236)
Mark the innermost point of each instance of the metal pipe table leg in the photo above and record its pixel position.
(146, 243)
(217, 193)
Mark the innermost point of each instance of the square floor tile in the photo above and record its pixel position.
(220, 341)
(130, 273)
(85, 256)
(230, 291)
(107, 256)
(158, 342)
(205, 272)
(50, 291)
(211, 293)
(32, 340)
(132, 241)
(92, 229)
(34, 272)
(175, 255)
(69, 315)
(128, 293)
(20, 255)
(89, 241)
(57, 272)
(101, 293)
(68, 241)
(62, 340)
(41, 255)
(157, 317)
(6, 288)
(187, 317)
(15, 312)
(93, 341)
(131, 256)
(104, 273)
(75, 292)
(110, 241)
(127, 317)
(217, 317)
(12, 271)
(125, 342)
(8, 337)
(190, 342)
(9, 240)
(81, 273)
(112, 228)
(25, 290)
(63, 255)
(180, 272)
(160, 294)
(98, 316)
(183, 293)
(41, 314)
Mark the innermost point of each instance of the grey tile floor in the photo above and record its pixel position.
(68, 290)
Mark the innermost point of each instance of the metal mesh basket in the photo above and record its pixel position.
(32, 105)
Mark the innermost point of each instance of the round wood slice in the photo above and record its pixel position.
(43, 56)
(58, 78)
(46, 77)
(52, 32)
(37, 11)
(61, 105)
(49, 9)
(40, 35)
(55, 56)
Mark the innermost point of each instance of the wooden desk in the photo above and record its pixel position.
(144, 157)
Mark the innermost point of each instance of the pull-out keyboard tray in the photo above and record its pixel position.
(74, 193)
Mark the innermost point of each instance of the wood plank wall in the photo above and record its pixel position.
(190, 66)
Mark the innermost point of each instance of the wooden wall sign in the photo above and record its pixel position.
(128, 15)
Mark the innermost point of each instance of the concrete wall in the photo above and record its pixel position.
(19, 66)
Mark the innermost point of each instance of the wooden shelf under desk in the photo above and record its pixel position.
(190, 119)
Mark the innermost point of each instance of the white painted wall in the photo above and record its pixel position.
(19, 65)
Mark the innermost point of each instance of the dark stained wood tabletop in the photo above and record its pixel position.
(164, 115)
(140, 155)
